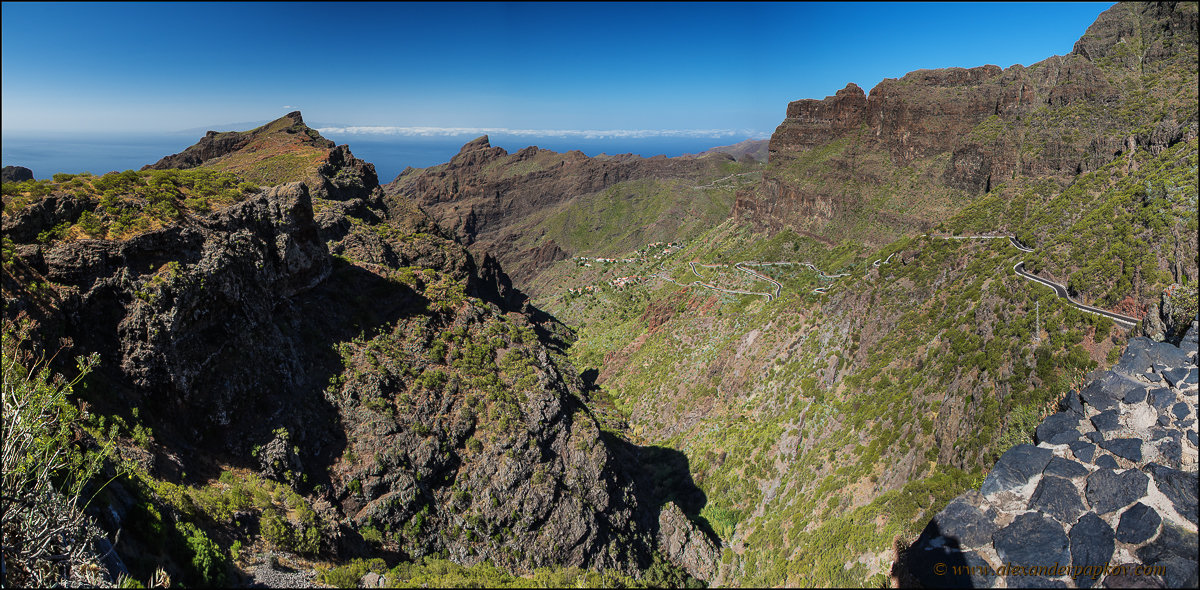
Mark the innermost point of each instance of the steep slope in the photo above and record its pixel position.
(919, 147)
(819, 422)
(828, 414)
(535, 207)
(338, 344)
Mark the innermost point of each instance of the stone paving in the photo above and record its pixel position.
(1111, 485)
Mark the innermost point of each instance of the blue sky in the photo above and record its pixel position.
(146, 67)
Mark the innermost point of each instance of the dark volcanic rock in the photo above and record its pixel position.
(1175, 549)
(1032, 540)
(1107, 461)
(1135, 396)
(1057, 497)
(1128, 448)
(1161, 398)
(1125, 576)
(1106, 421)
(1138, 524)
(1104, 393)
(15, 174)
(1091, 547)
(42, 215)
(1180, 410)
(963, 524)
(1015, 468)
(1065, 468)
(1070, 403)
(1058, 429)
(1108, 491)
(1178, 486)
(1084, 451)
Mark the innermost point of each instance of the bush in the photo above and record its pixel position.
(207, 559)
(43, 473)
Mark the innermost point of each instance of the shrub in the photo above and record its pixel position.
(43, 474)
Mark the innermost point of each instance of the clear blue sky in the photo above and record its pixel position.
(147, 67)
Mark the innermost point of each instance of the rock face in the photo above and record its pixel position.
(685, 544)
(16, 174)
(483, 195)
(215, 144)
(1085, 522)
(334, 339)
(963, 131)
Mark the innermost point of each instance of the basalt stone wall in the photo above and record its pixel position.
(1110, 487)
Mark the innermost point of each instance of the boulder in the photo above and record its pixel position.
(1161, 397)
(1107, 420)
(963, 524)
(1058, 428)
(1084, 451)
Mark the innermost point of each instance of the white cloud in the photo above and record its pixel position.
(574, 133)
(288, 107)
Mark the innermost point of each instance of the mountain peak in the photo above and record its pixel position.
(479, 143)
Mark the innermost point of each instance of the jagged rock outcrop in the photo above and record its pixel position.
(483, 195)
(966, 130)
(685, 544)
(327, 337)
(15, 174)
(1110, 486)
(215, 144)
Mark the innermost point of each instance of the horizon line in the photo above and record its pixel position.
(421, 131)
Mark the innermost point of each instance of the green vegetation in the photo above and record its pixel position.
(1117, 232)
(121, 204)
(47, 479)
(930, 361)
(441, 573)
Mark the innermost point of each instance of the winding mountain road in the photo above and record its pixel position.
(1060, 290)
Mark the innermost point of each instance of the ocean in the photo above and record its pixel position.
(48, 154)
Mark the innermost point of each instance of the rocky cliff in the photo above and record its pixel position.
(334, 340)
(16, 174)
(1128, 84)
(1106, 498)
(494, 201)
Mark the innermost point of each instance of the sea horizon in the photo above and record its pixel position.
(61, 152)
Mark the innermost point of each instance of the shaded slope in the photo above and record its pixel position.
(334, 341)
